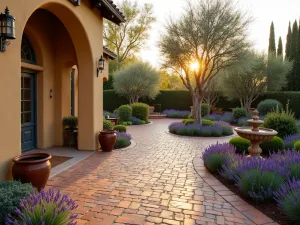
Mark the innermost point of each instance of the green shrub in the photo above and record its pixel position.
(188, 121)
(205, 109)
(207, 122)
(11, 192)
(122, 142)
(272, 146)
(124, 123)
(243, 122)
(140, 111)
(143, 122)
(239, 113)
(125, 112)
(297, 146)
(283, 121)
(129, 123)
(107, 125)
(70, 122)
(116, 112)
(268, 105)
(120, 128)
(241, 144)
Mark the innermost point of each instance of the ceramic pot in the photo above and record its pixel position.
(70, 138)
(151, 109)
(107, 140)
(32, 168)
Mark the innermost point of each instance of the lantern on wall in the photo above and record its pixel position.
(100, 66)
(7, 28)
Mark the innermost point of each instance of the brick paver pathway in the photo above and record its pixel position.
(160, 181)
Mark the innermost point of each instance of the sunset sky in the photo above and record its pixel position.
(263, 12)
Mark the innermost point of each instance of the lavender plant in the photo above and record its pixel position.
(218, 129)
(135, 121)
(292, 161)
(123, 140)
(258, 179)
(172, 113)
(288, 200)
(290, 140)
(45, 208)
(216, 155)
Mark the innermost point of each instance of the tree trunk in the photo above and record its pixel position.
(197, 102)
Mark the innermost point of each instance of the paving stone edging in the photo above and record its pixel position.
(239, 204)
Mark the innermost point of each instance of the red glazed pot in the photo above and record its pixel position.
(32, 168)
(107, 140)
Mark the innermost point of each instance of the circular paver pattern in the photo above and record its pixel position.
(161, 180)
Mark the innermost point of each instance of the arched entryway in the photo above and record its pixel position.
(62, 45)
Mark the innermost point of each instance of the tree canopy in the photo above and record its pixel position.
(135, 81)
(127, 38)
(209, 37)
(250, 77)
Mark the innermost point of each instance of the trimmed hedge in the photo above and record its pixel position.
(181, 100)
(140, 111)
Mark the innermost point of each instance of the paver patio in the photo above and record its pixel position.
(161, 180)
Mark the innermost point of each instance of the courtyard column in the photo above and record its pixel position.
(90, 105)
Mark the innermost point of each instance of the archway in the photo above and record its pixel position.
(63, 42)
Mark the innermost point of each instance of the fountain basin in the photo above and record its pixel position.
(263, 134)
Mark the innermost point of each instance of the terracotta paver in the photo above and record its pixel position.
(162, 180)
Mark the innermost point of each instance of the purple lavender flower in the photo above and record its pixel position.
(259, 178)
(135, 121)
(288, 200)
(36, 208)
(290, 140)
(172, 113)
(216, 155)
(123, 135)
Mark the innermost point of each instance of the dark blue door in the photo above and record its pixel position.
(28, 111)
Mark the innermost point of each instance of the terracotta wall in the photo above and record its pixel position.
(62, 37)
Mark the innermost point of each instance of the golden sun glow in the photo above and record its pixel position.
(194, 65)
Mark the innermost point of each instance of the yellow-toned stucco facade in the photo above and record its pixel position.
(64, 37)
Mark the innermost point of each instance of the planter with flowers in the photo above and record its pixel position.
(70, 124)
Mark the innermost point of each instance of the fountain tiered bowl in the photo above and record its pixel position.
(255, 134)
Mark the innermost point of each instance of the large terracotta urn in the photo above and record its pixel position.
(151, 109)
(32, 168)
(107, 140)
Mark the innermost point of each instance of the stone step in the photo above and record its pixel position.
(157, 116)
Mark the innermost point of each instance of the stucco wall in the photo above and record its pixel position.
(84, 26)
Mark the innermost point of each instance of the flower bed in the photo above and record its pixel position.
(271, 185)
(172, 113)
(123, 140)
(218, 129)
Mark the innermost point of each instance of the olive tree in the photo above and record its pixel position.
(211, 34)
(250, 76)
(137, 80)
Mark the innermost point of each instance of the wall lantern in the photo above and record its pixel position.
(100, 66)
(7, 29)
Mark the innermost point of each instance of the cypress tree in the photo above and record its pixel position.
(288, 42)
(292, 77)
(272, 45)
(279, 49)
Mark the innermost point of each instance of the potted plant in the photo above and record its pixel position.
(32, 168)
(70, 124)
(107, 137)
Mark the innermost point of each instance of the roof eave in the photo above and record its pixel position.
(110, 12)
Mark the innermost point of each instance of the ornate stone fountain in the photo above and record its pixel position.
(255, 134)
